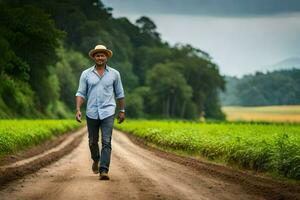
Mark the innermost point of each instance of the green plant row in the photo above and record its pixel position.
(273, 148)
(16, 135)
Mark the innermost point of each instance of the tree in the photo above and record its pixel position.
(272, 88)
(129, 79)
(188, 77)
(147, 57)
(33, 38)
(29, 39)
(147, 26)
(204, 78)
(134, 105)
(170, 90)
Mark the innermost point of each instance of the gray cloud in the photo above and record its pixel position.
(207, 7)
(241, 37)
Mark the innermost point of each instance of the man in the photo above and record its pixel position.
(100, 85)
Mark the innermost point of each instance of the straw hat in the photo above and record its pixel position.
(100, 48)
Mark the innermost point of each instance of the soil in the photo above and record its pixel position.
(141, 172)
(56, 140)
(28, 161)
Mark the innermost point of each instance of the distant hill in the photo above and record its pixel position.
(289, 63)
(280, 87)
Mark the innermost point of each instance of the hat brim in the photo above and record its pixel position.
(107, 51)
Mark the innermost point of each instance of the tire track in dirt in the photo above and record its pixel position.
(136, 173)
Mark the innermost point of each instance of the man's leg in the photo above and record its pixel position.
(106, 126)
(93, 130)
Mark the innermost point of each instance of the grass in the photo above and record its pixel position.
(273, 148)
(16, 135)
(263, 113)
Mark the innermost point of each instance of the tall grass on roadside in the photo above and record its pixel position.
(16, 135)
(273, 148)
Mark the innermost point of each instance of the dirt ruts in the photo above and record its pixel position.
(140, 172)
(29, 161)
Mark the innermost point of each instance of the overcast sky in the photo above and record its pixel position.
(242, 36)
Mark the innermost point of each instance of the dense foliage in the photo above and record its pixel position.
(16, 135)
(46, 45)
(28, 39)
(273, 148)
(280, 87)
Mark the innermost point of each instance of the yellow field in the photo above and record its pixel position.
(263, 113)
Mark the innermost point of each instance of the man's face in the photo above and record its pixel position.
(100, 58)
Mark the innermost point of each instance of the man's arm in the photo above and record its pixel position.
(119, 94)
(121, 114)
(79, 102)
(80, 95)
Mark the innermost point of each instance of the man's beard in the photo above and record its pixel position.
(101, 63)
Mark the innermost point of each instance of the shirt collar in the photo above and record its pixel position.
(106, 68)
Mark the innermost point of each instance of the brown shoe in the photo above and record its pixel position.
(95, 167)
(104, 176)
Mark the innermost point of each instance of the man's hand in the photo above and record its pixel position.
(79, 101)
(121, 117)
(78, 116)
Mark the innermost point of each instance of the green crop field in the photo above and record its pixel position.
(16, 135)
(273, 148)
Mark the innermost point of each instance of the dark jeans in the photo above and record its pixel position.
(106, 126)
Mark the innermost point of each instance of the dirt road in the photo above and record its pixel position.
(136, 173)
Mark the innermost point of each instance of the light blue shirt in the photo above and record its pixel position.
(100, 91)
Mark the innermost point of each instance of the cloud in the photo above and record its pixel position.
(238, 45)
(207, 7)
(252, 35)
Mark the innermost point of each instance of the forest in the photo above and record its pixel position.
(44, 48)
(280, 87)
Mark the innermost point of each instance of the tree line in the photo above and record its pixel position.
(280, 87)
(45, 46)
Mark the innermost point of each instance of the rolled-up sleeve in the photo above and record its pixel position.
(82, 88)
(118, 87)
